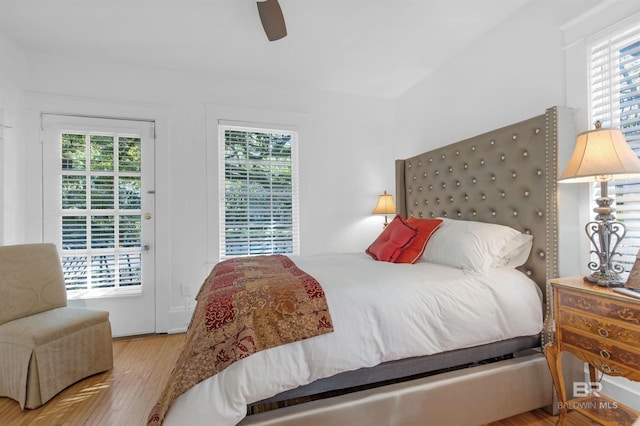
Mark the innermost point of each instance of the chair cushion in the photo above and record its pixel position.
(44, 327)
(31, 280)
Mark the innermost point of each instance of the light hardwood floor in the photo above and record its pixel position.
(126, 394)
(121, 396)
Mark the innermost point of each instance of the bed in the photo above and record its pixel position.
(452, 318)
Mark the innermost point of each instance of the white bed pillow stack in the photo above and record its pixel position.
(477, 246)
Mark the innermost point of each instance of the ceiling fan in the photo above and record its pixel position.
(272, 19)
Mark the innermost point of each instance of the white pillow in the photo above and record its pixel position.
(514, 253)
(476, 246)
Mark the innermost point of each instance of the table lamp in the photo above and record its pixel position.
(385, 206)
(602, 155)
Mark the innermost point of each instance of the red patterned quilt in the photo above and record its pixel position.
(244, 306)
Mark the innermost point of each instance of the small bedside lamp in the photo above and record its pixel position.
(385, 206)
(602, 155)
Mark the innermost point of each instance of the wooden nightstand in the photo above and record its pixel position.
(599, 327)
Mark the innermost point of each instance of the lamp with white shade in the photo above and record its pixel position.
(602, 155)
(385, 206)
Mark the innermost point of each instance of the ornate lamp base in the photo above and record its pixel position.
(605, 279)
(605, 235)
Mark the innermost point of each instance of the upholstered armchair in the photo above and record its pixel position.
(45, 345)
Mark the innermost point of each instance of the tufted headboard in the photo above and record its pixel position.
(506, 176)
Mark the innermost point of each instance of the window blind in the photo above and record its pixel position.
(258, 206)
(615, 102)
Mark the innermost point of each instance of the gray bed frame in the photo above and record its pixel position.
(506, 176)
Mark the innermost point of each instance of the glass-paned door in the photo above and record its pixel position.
(98, 208)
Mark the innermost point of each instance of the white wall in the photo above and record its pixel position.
(514, 72)
(13, 66)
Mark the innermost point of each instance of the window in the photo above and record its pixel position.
(259, 202)
(615, 101)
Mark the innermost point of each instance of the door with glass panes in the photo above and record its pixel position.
(98, 205)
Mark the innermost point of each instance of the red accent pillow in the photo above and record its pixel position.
(426, 228)
(395, 237)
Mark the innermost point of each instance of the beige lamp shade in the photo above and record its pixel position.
(601, 155)
(385, 205)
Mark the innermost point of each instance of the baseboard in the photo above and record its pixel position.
(622, 390)
(179, 318)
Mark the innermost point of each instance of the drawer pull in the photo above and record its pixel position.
(605, 368)
(603, 332)
(604, 354)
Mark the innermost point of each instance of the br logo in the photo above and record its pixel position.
(581, 389)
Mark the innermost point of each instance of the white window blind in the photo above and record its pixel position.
(259, 191)
(615, 102)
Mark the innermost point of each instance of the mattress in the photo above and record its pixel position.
(381, 312)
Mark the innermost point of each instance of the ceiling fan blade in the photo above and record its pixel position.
(272, 19)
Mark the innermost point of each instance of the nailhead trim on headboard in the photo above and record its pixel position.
(505, 176)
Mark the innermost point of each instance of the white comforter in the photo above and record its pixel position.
(381, 312)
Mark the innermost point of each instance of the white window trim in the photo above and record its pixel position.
(265, 118)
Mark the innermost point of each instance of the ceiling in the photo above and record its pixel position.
(367, 47)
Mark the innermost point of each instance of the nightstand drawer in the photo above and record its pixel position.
(608, 351)
(599, 326)
(610, 308)
(606, 366)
